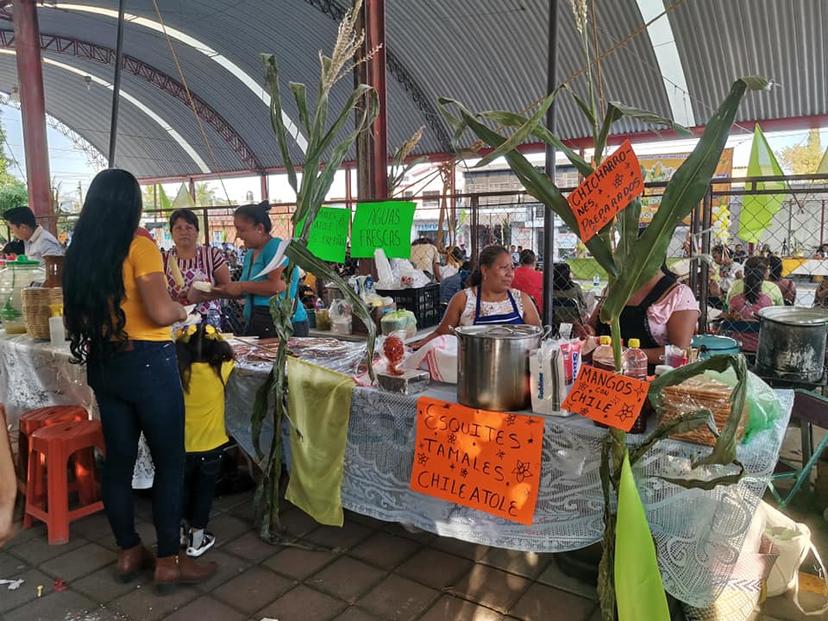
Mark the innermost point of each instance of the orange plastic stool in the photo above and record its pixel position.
(56, 444)
(33, 420)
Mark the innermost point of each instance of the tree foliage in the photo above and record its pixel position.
(802, 159)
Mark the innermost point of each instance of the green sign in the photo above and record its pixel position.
(386, 225)
(329, 234)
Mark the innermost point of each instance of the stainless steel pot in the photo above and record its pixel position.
(792, 343)
(493, 365)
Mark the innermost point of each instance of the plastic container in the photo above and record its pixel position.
(634, 364)
(602, 357)
(424, 302)
(57, 329)
(16, 276)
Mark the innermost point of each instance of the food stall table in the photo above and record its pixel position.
(699, 534)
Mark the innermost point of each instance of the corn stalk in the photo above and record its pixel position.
(635, 259)
(329, 142)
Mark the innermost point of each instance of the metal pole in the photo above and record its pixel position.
(263, 187)
(363, 144)
(475, 229)
(704, 277)
(33, 111)
(375, 18)
(548, 216)
(116, 86)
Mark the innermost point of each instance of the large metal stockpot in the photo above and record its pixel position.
(792, 343)
(493, 365)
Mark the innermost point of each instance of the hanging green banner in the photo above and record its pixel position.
(382, 224)
(758, 210)
(328, 236)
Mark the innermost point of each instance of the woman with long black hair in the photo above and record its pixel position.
(118, 314)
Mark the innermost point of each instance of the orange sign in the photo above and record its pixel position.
(490, 461)
(606, 191)
(607, 397)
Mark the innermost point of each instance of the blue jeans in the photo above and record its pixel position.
(140, 390)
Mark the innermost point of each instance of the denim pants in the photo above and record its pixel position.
(140, 390)
(201, 472)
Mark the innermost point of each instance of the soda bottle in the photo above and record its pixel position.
(634, 364)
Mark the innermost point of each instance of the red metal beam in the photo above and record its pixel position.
(33, 112)
(160, 80)
(375, 30)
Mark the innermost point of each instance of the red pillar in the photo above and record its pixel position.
(375, 27)
(33, 111)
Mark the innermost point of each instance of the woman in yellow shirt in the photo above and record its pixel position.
(118, 316)
(205, 362)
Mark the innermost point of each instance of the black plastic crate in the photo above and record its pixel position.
(424, 302)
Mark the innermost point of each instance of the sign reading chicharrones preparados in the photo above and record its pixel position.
(490, 461)
(382, 224)
(616, 182)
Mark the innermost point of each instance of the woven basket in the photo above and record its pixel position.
(700, 393)
(36, 311)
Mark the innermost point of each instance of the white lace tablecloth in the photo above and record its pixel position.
(698, 533)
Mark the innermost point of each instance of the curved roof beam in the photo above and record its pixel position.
(202, 165)
(666, 52)
(398, 69)
(199, 46)
(159, 79)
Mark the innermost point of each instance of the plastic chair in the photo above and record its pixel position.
(811, 409)
(33, 420)
(50, 449)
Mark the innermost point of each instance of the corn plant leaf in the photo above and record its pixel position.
(535, 182)
(685, 190)
(724, 451)
(300, 95)
(616, 111)
(339, 153)
(708, 484)
(297, 251)
(510, 119)
(272, 83)
(521, 133)
(589, 113)
(682, 423)
(260, 411)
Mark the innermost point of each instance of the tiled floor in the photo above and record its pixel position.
(367, 570)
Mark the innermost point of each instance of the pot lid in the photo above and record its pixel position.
(795, 315)
(500, 331)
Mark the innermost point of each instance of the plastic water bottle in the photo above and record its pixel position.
(596, 281)
(634, 364)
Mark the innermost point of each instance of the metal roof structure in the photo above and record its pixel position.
(489, 54)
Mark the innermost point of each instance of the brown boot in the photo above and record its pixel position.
(132, 561)
(180, 569)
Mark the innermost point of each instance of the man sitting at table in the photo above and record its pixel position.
(37, 241)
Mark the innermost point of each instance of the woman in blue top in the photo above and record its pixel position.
(253, 226)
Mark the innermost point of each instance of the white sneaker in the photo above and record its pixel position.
(208, 540)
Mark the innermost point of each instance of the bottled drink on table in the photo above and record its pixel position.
(602, 356)
(634, 364)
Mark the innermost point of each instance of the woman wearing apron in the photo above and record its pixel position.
(489, 298)
(663, 311)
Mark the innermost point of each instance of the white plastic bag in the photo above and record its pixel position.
(547, 392)
(792, 540)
